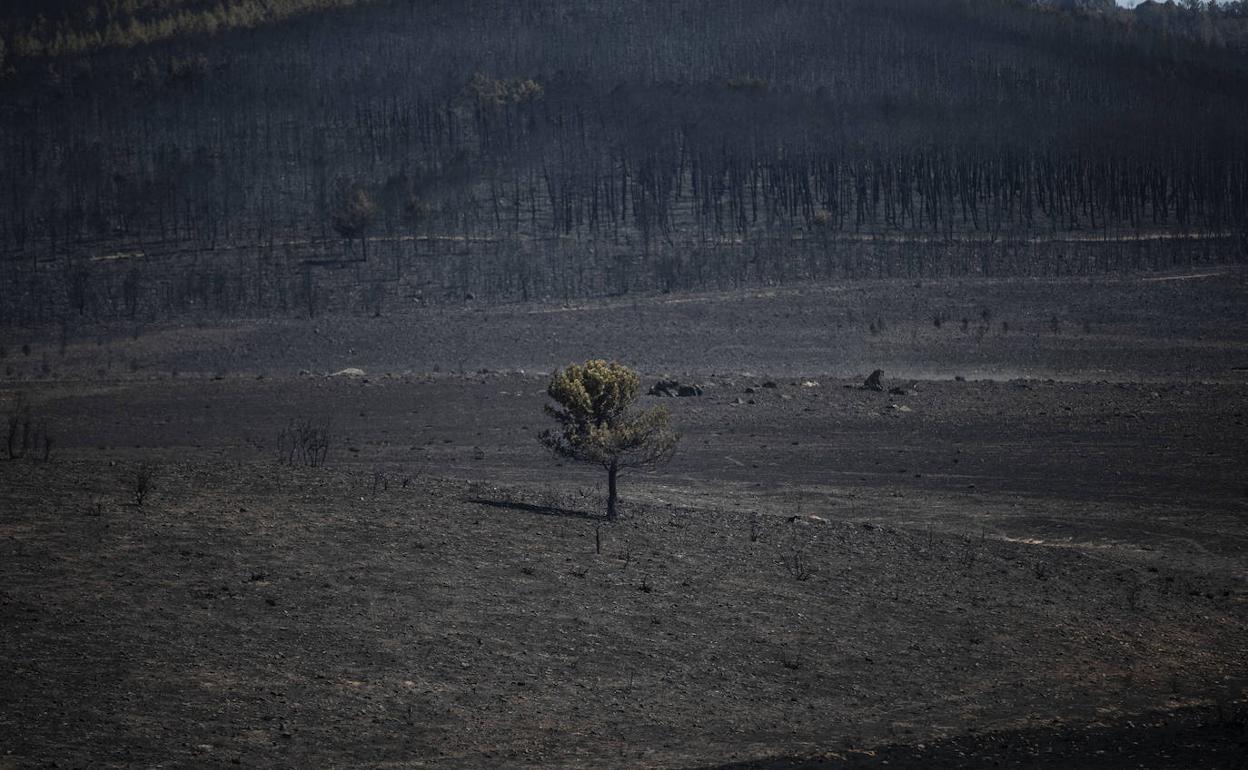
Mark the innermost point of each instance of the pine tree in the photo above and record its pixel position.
(597, 424)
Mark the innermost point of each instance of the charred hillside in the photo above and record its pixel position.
(346, 156)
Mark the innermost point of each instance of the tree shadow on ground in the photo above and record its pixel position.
(541, 510)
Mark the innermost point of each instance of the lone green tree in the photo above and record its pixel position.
(597, 425)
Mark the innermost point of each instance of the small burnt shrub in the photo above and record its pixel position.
(1232, 715)
(797, 564)
(381, 481)
(791, 661)
(26, 433)
(304, 443)
(140, 482)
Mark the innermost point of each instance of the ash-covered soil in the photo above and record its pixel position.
(1169, 327)
(1042, 564)
(254, 614)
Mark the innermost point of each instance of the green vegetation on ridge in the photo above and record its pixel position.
(66, 27)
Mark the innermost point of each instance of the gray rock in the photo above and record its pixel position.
(672, 388)
(664, 388)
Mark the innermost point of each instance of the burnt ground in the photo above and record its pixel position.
(1041, 564)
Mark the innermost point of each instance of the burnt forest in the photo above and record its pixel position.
(682, 384)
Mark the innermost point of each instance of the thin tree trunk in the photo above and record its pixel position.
(612, 471)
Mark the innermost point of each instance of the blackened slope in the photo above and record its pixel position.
(542, 147)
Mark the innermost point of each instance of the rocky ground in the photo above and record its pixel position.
(1032, 554)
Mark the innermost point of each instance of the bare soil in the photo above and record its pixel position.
(1041, 564)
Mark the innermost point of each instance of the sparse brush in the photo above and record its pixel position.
(797, 565)
(918, 548)
(303, 442)
(27, 435)
(973, 547)
(791, 662)
(47, 442)
(1233, 715)
(141, 481)
(20, 412)
(381, 482)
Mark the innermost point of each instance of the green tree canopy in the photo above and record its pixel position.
(597, 425)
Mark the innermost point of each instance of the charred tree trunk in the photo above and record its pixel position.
(613, 470)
